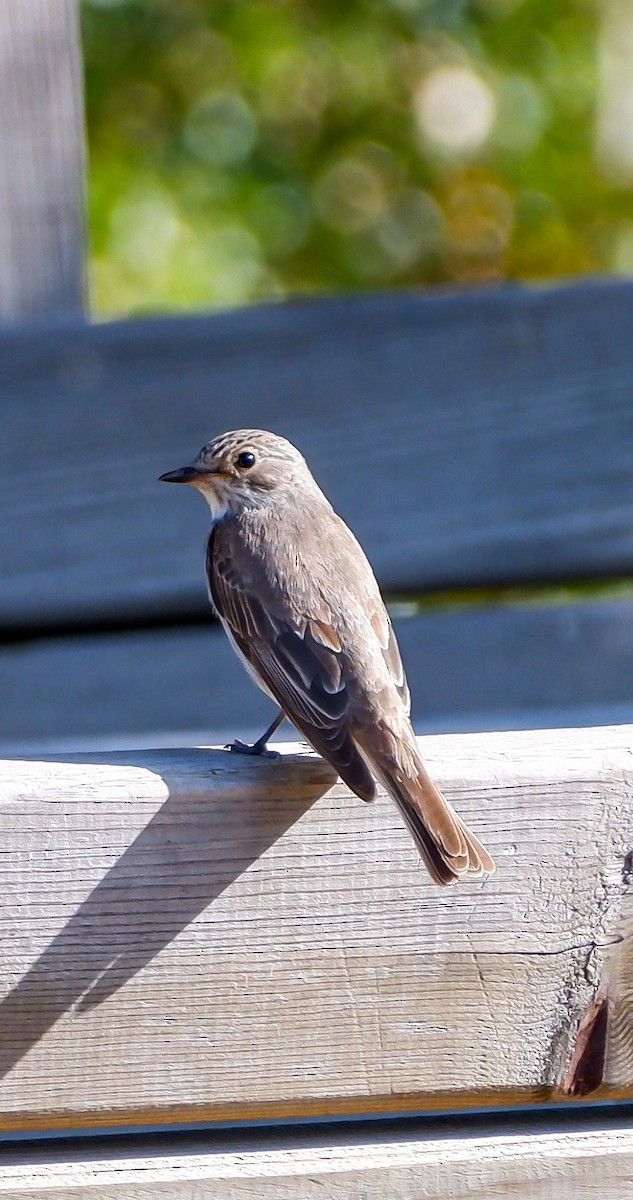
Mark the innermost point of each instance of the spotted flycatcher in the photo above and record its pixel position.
(301, 607)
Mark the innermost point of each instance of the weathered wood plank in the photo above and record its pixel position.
(363, 1164)
(467, 439)
(489, 667)
(189, 936)
(42, 160)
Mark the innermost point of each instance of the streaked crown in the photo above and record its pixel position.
(224, 451)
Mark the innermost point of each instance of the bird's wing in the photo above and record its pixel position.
(387, 641)
(300, 661)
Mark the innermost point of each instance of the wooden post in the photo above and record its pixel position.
(41, 159)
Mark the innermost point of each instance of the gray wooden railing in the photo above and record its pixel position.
(470, 442)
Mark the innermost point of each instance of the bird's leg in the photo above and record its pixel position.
(259, 747)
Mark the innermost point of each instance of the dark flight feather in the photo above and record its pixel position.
(299, 670)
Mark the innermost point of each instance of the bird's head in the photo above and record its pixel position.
(242, 469)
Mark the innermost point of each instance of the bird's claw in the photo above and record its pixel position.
(257, 749)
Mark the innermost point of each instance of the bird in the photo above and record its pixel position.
(301, 606)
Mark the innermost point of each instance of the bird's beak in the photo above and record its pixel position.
(184, 474)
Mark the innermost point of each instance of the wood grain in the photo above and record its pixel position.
(483, 667)
(467, 439)
(190, 936)
(42, 160)
(592, 1163)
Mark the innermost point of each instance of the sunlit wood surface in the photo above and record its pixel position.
(191, 935)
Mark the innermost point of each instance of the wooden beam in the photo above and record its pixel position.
(467, 439)
(327, 1164)
(41, 160)
(190, 936)
(489, 667)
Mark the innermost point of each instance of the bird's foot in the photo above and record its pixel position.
(257, 748)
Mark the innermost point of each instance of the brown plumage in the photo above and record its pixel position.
(300, 604)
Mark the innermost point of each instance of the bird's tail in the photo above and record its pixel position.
(447, 846)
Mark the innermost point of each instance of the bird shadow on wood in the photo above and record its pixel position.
(193, 848)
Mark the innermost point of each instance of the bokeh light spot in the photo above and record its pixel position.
(220, 129)
(455, 108)
(350, 195)
(521, 114)
(615, 108)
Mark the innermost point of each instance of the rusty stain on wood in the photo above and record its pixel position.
(335, 1106)
(585, 1071)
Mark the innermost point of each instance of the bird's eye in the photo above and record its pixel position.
(245, 460)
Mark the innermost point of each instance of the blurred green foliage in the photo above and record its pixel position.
(249, 149)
